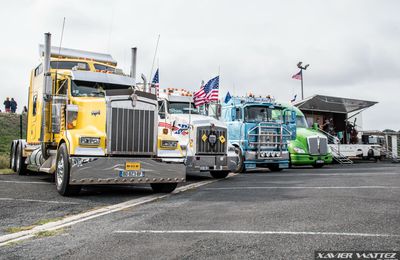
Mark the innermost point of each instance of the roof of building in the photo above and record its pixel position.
(321, 103)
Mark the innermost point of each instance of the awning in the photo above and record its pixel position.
(320, 103)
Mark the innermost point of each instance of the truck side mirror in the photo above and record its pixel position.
(315, 126)
(218, 109)
(233, 114)
(293, 118)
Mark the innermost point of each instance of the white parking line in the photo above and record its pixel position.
(27, 182)
(41, 201)
(78, 218)
(302, 187)
(268, 174)
(243, 232)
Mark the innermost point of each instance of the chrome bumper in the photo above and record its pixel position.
(207, 162)
(108, 170)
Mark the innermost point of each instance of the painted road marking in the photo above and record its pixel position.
(357, 174)
(40, 201)
(78, 218)
(301, 187)
(243, 232)
(27, 182)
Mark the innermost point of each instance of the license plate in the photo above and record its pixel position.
(204, 168)
(131, 174)
(132, 166)
(319, 161)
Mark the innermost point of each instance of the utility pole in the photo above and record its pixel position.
(299, 65)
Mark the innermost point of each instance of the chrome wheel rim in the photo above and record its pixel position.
(240, 161)
(13, 158)
(60, 172)
(18, 159)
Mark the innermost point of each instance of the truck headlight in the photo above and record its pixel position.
(169, 144)
(89, 140)
(299, 150)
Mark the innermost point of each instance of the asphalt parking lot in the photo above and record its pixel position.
(259, 215)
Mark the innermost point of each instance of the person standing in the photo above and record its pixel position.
(7, 105)
(13, 105)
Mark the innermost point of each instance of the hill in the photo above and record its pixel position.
(9, 130)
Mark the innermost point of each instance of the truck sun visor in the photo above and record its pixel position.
(103, 78)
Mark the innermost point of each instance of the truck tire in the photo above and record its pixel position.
(12, 157)
(163, 187)
(275, 168)
(240, 167)
(20, 166)
(62, 174)
(219, 174)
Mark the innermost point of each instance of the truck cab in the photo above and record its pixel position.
(203, 139)
(89, 124)
(310, 146)
(260, 129)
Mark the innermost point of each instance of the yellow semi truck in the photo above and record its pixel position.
(88, 124)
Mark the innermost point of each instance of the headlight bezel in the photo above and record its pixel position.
(299, 150)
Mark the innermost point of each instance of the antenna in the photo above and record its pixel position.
(62, 35)
(154, 57)
(59, 52)
(61, 39)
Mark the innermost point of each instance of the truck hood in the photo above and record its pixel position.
(196, 120)
(301, 137)
(306, 132)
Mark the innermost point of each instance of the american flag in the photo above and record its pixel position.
(199, 97)
(297, 75)
(207, 93)
(156, 82)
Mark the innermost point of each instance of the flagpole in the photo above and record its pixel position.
(299, 65)
(302, 91)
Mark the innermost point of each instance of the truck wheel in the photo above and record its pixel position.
(63, 174)
(20, 166)
(240, 167)
(275, 168)
(163, 187)
(219, 174)
(12, 157)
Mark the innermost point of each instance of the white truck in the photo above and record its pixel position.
(202, 139)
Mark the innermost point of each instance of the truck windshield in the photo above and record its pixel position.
(92, 89)
(181, 108)
(261, 114)
(301, 121)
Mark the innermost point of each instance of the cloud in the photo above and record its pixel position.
(352, 46)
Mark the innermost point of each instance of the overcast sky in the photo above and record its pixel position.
(353, 47)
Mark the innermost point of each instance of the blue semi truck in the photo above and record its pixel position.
(260, 129)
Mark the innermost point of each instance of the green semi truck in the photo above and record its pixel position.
(310, 146)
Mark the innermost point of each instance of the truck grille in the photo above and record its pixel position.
(204, 147)
(317, 145)
(132, 131)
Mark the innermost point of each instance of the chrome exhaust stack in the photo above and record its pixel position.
(47, 84)
(133, 63)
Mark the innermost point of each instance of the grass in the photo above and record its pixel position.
(6, 171)
(18, 229)
(9, 130)
(49, 233)
(37, 223)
